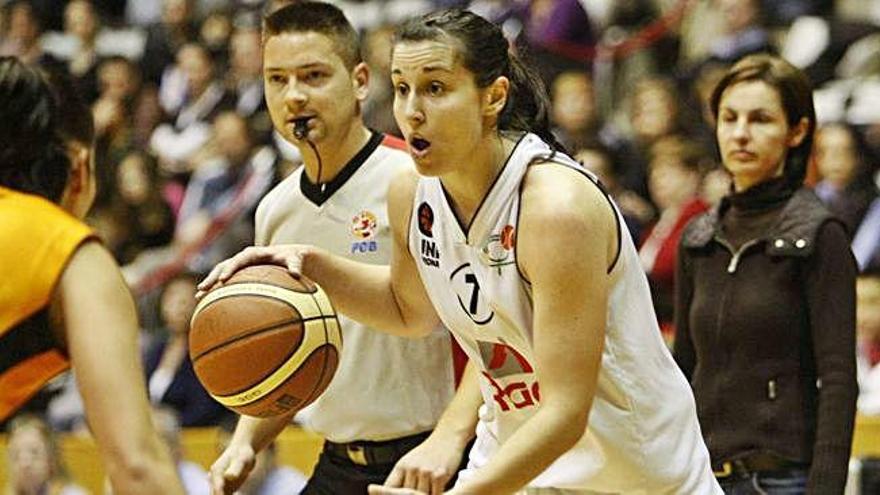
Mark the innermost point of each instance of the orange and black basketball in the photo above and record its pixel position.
(265, 343)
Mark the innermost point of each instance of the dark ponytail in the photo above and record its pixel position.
(485, 52)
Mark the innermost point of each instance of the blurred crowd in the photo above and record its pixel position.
(186, 147)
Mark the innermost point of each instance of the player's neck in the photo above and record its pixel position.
(335, 154)
(469, 184)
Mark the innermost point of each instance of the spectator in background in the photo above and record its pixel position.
(34, 464)
(268, 477)
(674, 178)
(378, 113)
(165, 38)
(245, 77)
(22, 36)
(765, 298)
(654, 112)
(81, 24)
(119, 83)
(171, 380)
(742, 32)
(194, 477)
(191, 96)
(845, 186)
(868, 356)
(223, 192)
(215, 30)
(141, 213)
(636, 211)
(574, 112)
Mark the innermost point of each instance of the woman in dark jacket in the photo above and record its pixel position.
(765, 311)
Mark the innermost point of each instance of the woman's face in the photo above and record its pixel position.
(30, 460)
(437, 105)
(753, 133)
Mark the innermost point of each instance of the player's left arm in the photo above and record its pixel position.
(567, 240)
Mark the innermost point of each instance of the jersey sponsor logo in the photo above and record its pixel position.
(497, 250)
(470, 299)
(426, 220)
(503, 368)
(427, 247)
(430, 253)
(363, 228)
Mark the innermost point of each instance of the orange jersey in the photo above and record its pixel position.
(37, 239)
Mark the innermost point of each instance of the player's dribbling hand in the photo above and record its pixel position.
(288, 255)
(231, 469)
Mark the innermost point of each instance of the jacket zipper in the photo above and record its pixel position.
(731, 269)
(736, 254)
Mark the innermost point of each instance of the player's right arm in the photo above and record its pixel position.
(96, 318)
(235, 464)
(388, 298)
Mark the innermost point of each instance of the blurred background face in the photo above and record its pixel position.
(178, 303)
(868, 308)
(573, 105)
(231, 136)
(80, 20)
(377, 50)
(654, 111)
(737, 14)
(670, 182)
(196, 65)
(175, 12)
(117, 80)
(23, 26)
(30, 460)
(132, 179)
(245, 53)
(836, 155)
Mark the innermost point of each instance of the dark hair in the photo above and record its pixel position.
(317, 17)
(485, 52)
(794, 90)
(41, 113)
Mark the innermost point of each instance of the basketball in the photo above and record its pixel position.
(265, 343)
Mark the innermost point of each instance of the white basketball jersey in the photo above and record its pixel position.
(385, 386)
(643, 435)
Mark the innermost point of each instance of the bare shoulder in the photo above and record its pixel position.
(552, 191)
(564, 211)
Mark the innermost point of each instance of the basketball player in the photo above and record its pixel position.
(525, 259)
(388, 391)
(62, 300)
